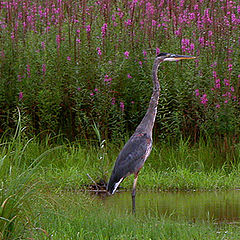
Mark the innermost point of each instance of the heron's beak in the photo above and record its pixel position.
(180, 57)
(175, 57)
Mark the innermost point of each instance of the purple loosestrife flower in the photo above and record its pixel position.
(107, 79)
(12, 35)
(129, 76)
(113, 101)
(99, 51)
(88, 28)
(178, 32)
(214, 74)
(230, 67)
(128, 22)
(192, 47)
(43, 45)
(217, 83)
(218, 106)
(20, 96)
(226, 82)
(197, 92)
(44, 69)
(204, 99)
(78, 40)
(210, 33)
(154, 22)
(68, 58)
(58, 40)
(201, 41)
(104, 30)
(126, 54)
(157, 51)
(144, 53)
(122, 106)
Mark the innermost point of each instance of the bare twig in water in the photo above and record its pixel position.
(93, 182)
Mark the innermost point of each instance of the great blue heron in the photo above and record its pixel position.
(135, 152)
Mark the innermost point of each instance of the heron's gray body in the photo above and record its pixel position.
(135, 152)
(131, 158)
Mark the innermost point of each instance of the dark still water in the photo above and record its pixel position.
(222, 206)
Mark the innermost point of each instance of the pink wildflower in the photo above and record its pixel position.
(204, 99)
(68, 58)
(230, 67)
(99, 51)
(43, 45)
(113, 101)
(107, 78)
(214, 74)
(144, 53)
(122, 106)
(88, 28)
(197, 92)
(226, 82)
(126, 54)
(104, 30)
(217, 83)
(129, 76)
(20, 96)
(154, 22)
(44, 69)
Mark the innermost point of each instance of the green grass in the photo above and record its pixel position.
(36, 174)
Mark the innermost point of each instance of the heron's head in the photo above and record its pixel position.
(162, 57)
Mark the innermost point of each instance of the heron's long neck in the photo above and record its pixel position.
(147, 122)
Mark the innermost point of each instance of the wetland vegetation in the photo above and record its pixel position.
(75, 80)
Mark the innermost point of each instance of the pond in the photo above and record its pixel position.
(219, 206)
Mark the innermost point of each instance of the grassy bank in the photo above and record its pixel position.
(178, 166)
(36, 174)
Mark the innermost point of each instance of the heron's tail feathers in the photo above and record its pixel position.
(113, 184)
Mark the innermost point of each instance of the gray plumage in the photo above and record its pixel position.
(135, 152)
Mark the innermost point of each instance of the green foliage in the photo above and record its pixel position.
(65, 70)
(41, 183)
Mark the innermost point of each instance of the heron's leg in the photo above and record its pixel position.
(134, 192)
